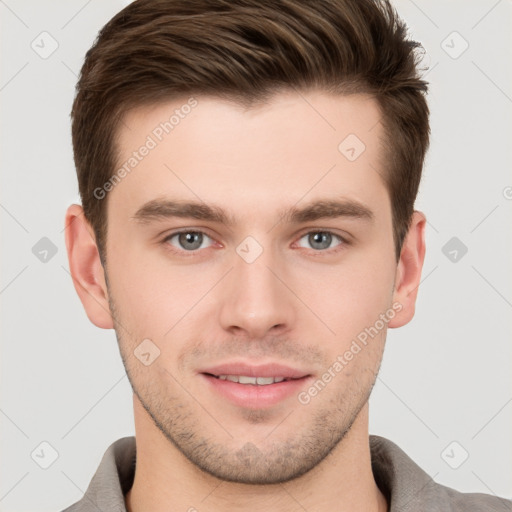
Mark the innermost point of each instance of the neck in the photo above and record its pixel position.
(165, 479)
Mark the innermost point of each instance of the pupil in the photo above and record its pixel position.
(191, 238)
(321, 237)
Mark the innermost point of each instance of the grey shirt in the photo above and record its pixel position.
(406, 486)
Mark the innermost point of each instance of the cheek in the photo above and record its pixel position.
(351, 295)
(141, 294)
(153, 298)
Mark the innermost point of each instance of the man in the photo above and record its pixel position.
(248, 171)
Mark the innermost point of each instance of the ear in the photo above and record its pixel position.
(408, 273)
(86, 268)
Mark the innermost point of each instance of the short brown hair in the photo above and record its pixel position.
(246, 50)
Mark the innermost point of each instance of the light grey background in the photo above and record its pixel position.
(445, 377)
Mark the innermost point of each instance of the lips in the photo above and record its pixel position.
(254, 386)
(256, 381)
(275, 370)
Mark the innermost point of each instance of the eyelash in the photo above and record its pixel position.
(182, 252)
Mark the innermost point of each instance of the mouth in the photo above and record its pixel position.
(255, 381)
(254, 387)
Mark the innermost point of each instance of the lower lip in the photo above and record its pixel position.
(253, 396)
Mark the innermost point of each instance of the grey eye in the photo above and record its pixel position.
(189, 240)
(320, 240)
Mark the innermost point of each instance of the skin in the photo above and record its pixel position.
(298, 303)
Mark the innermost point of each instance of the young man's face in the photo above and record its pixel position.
(267, 295)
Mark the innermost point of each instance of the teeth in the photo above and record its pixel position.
(263, 381)
(247, 380)
(243, 379)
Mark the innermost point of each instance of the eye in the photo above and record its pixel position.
(321, 240)
(188, 241)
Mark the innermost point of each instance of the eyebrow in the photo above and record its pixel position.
(160, 209)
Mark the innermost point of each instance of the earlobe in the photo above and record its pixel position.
(408, 275)
(85, 267)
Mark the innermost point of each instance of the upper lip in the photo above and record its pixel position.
(263, 370)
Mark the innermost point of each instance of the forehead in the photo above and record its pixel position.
(295, 147)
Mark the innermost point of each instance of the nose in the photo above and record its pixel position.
(256, 298)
